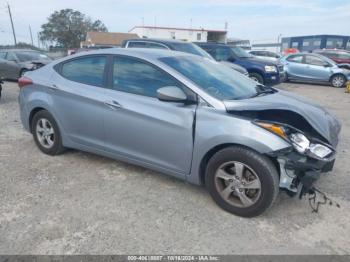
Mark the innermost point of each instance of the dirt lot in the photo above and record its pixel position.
(80, 203)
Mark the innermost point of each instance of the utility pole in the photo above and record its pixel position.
(38, 36)
(13, 28)
(31, 35)
(279, 47)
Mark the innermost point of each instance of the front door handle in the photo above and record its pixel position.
(54, 87)
(113, 104)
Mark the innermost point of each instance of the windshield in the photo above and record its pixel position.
(24, 56)
(214, 78)
(190, 48)
(240, 52)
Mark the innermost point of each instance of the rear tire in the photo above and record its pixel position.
(46, 133)
(338, 81)
(259, 184)
(256, 77)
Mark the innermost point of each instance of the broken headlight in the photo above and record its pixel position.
(299, 141)
(320, 150)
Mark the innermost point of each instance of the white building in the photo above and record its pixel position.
(186, 34)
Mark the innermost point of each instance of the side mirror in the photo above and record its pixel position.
(327, 65)
(171, 94)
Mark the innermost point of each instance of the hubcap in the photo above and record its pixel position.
(338, 81)
(45, 133)
(238, 184)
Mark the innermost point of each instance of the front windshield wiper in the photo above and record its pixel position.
(263, 92)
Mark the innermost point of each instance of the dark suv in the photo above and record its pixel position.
(262, 71)
(176, 45)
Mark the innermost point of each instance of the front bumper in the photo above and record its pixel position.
(299, 171)
(272, 79)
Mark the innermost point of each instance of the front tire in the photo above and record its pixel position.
(46, 133)
(242, 181)
(257, 78)
(338, 81)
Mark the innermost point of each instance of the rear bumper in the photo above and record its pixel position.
(23, 112)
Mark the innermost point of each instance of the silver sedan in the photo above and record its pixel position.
(184, 116)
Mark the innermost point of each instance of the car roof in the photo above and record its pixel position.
(143, 53)
(19, 50)
(159, 40)
(211, 44)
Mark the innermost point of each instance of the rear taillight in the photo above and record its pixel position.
(24, 81)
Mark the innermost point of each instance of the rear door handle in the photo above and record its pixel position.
(113, 104)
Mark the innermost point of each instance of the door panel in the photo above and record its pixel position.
(78, 99)
(9, 69)
(80, 109)
(148, 130)
(141, 127)
(315, 68)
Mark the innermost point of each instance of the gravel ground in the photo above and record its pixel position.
(80, 203)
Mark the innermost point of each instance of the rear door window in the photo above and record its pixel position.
(2, 55)
(295, 58)
(222, 53)
(313, 60)
(11, 57)
(136, 44)
(87, 70)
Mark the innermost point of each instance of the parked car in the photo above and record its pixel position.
(314, 68)
(176, 45)
(341, 57)
(15, 62)
(267, 55)
(261, 71)
(288, 51)
(185, 116)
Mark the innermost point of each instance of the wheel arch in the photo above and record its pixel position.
(336, 74)
(256, 70)
(32, 114)
(204, 161)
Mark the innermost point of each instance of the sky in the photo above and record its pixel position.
(256, 20)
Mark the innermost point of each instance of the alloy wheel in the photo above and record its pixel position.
(45, 133)
(238, 184)
(338, 81)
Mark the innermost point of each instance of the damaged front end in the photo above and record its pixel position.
(302, 163)
(310, 152)
(311, 131)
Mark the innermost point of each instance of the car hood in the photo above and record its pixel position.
(260, 61)
(282, 103)
(39, 61)
(236, 67)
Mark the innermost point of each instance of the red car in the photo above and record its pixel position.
(338, 56)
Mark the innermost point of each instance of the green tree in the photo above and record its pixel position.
(68, 28)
